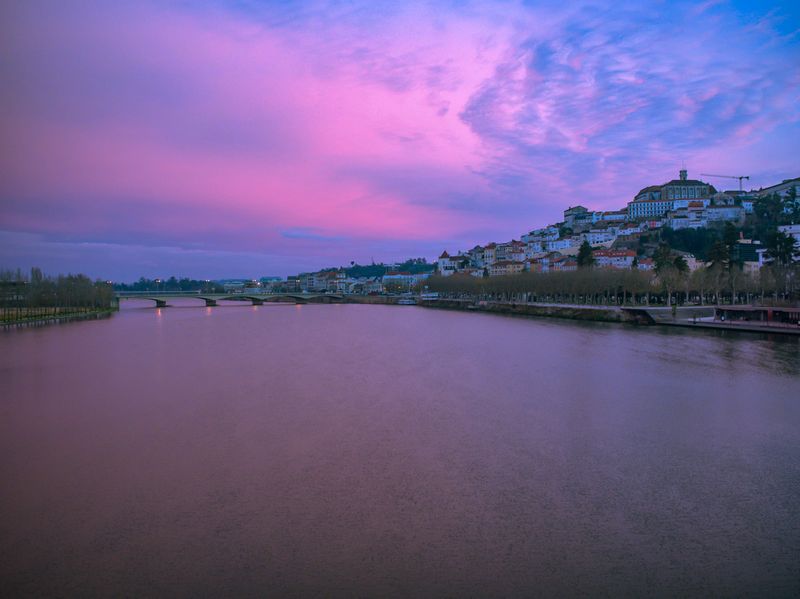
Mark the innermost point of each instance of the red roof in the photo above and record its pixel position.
(614, 253)
(505, 263)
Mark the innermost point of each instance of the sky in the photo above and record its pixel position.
(215, 139)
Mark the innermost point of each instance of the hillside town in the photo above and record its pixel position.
(688, 216)
(619, 238)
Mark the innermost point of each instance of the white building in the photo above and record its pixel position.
(506, 267)
(687, 203)
(533, 248)
(574, 213)
(723, 213)
(489, 254)
(404, 278)
(595, 237)
(447, 264)
(543, 234)
(614, 215)
(657, 200)
(782, 189)
(682, 221)
(639, 209)
(562, 244)
(620, 259)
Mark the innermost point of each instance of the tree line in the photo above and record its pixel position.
(32, 296)
(670, 284)
(171, 284)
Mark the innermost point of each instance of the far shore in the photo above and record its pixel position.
(690, 316)
(699, 317)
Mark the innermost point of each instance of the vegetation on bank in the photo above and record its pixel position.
(171, 284)
(671, 284)
(34, 297)
(412, 265)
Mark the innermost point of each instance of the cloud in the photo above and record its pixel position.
(328, 131)
(614, 92)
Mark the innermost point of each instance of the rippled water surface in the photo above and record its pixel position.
(384, 451)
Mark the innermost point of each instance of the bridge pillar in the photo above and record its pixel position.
(211, 302)
(161, 303)
(256, 301)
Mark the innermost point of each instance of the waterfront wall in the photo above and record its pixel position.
(371, 299)
(594, 313)
(56, 318)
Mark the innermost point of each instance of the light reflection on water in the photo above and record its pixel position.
(372, 450)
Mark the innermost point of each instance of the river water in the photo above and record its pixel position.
(327, 450)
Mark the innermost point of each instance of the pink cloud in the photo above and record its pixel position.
(224, 129)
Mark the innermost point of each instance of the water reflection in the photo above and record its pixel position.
(372, 450)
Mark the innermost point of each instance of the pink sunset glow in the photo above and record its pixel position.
(266, 140)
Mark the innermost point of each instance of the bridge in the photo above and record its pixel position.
(162, 297)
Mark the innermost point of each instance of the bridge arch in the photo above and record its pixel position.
(283, 299)
(161, 301)
(255, 300)
(210, 299)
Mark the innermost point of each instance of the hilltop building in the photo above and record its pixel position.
(783, 189)
(657, 200)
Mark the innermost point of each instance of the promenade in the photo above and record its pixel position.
(759, 319)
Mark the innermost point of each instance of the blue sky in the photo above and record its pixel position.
(216, 139)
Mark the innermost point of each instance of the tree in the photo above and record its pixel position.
(718, 255)
(768, 208)
(680, 264)
(670, 279)
(782, 247)
(662, 257)
(731, 238)
(585, 256)
(791, 205)
(695, 241)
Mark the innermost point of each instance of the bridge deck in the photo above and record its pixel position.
(160, 298)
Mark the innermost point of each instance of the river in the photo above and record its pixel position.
(331, 450)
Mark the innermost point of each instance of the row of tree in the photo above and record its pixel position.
(24, 297)
(715, 284)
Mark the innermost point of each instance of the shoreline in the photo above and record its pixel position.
(634, 315)
(692, 317)
(566, 311)
(40, 321)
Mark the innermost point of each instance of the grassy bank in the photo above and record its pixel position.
(23, 317)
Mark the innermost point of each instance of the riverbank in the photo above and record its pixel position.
(697, 317)
(372, 299)
(572, 312)
(55, 317)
